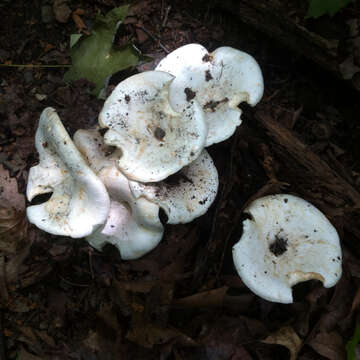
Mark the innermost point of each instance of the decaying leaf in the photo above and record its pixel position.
(212, 298)
(223, 336)
(350, 66)
(318, 8)
(148, 335)
(9, 191)
(13, 225)
(330, 345)
(13, 228)
(24, 355)
(287, 337)
(94, 57)
(13, 265)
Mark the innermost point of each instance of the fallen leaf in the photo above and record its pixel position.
(61, 10)
(74, 38)
(318, 8)
(9, 191)
(28, 332)
(329, 345)
(13, 266)
(148, 335)
(223, 335)
(139, 286)
(350, 66)
(44, 336)
(24, 355)
(13, 229)
(211, 298)
(15, 163)
(94, 57)
(76, 16)
(286, 336)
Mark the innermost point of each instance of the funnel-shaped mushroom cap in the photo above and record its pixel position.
(286, 241)
(219, 81)
(133, 225)
(185, 195)
(121, 230)
(79, 203)
(155, 140)
(91, 145)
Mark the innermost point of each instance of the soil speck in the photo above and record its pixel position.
(279, 246)
(189, 94)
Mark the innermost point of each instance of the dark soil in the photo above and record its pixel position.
(61, 299)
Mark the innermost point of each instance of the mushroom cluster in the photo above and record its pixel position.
(109, 187)
(109, 184)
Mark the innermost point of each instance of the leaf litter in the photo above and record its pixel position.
(63, 300)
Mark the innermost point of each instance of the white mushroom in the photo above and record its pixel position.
(133, 225)
(185, 195)
(286, 241)
(155, 141)
(79, 203)
(121, 230)
(219, 81)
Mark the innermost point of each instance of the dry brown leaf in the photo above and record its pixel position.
(211, 298)
(329, 345)
(76, 16)
(148, 335)
(9, 191)
(44, 336)
(28, 332)
(137, 286)
(286, 336)
(13, 228)
(24, 355)
(13, 266)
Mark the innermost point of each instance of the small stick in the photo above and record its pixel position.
(153, 37)
(166, 16)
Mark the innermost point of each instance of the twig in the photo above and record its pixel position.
(166, 17)
(153, 37)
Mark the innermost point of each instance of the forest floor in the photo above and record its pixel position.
(61, 299)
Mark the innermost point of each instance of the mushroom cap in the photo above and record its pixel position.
(185, 195)
(79, 203)
(286, 241)
(133, 225)
(132, 239)
(219, 81)
(155, 141)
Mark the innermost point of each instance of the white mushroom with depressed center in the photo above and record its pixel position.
(185, 195)
(219, 81)
(133, 225)
(79, 203)
(155, 140)
(285, 241)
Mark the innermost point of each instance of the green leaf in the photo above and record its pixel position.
(351, 345)
(318, 8)
(94, 57)
(74, 38)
